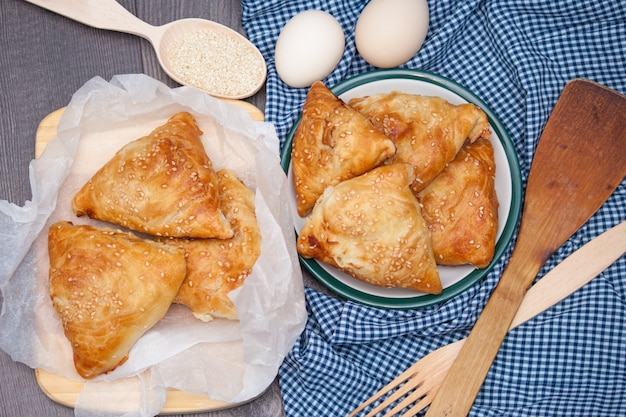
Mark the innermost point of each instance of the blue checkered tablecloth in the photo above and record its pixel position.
(517, 56)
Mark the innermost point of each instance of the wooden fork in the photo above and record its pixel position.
(419, 383)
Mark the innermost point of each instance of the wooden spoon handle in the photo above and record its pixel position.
(467, 374)
(579, 161)
(567, 277)
(573, 273)
(101, 14)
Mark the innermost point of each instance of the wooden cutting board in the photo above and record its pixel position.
(47, 129)
(65, 391)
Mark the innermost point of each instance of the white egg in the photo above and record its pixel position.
(390, 32)
(309, 47)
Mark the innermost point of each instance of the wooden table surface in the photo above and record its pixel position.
(44, 59)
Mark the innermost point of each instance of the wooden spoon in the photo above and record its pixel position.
(110, 15)
(580, 160)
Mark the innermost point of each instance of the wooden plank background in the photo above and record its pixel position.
(44, 59)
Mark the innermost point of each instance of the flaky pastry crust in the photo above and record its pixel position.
(109, 287)
(162, 184)
(215, 267)
(427, 131)
(332, 143)
(371, 228)
(460, 207)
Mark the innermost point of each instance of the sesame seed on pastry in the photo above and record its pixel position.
(460, 207)
(371, 227)
(162, 184)
(428, 131)
(215, 267)
(332, 143)
(109, 287)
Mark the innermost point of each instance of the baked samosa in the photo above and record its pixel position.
(371, 228)
(215, 267)
(109, 287)
(332, 143)
(162, 184)
(427, 131)
(460, 207)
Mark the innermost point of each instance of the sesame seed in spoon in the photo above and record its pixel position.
(197, 52)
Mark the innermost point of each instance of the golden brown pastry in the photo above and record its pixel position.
(371, 228)
(332, 143)
(163, 184)
(216, 267)
(427, 131)
(460, 207)
(109, 287)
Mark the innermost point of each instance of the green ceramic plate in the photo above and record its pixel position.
(508, 187)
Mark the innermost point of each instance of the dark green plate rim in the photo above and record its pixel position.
(423, 300)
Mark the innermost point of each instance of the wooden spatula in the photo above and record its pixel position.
(580, 160)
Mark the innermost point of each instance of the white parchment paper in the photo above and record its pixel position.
(232, 361)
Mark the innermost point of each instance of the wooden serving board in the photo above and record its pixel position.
(47, 129)
(65, 391)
